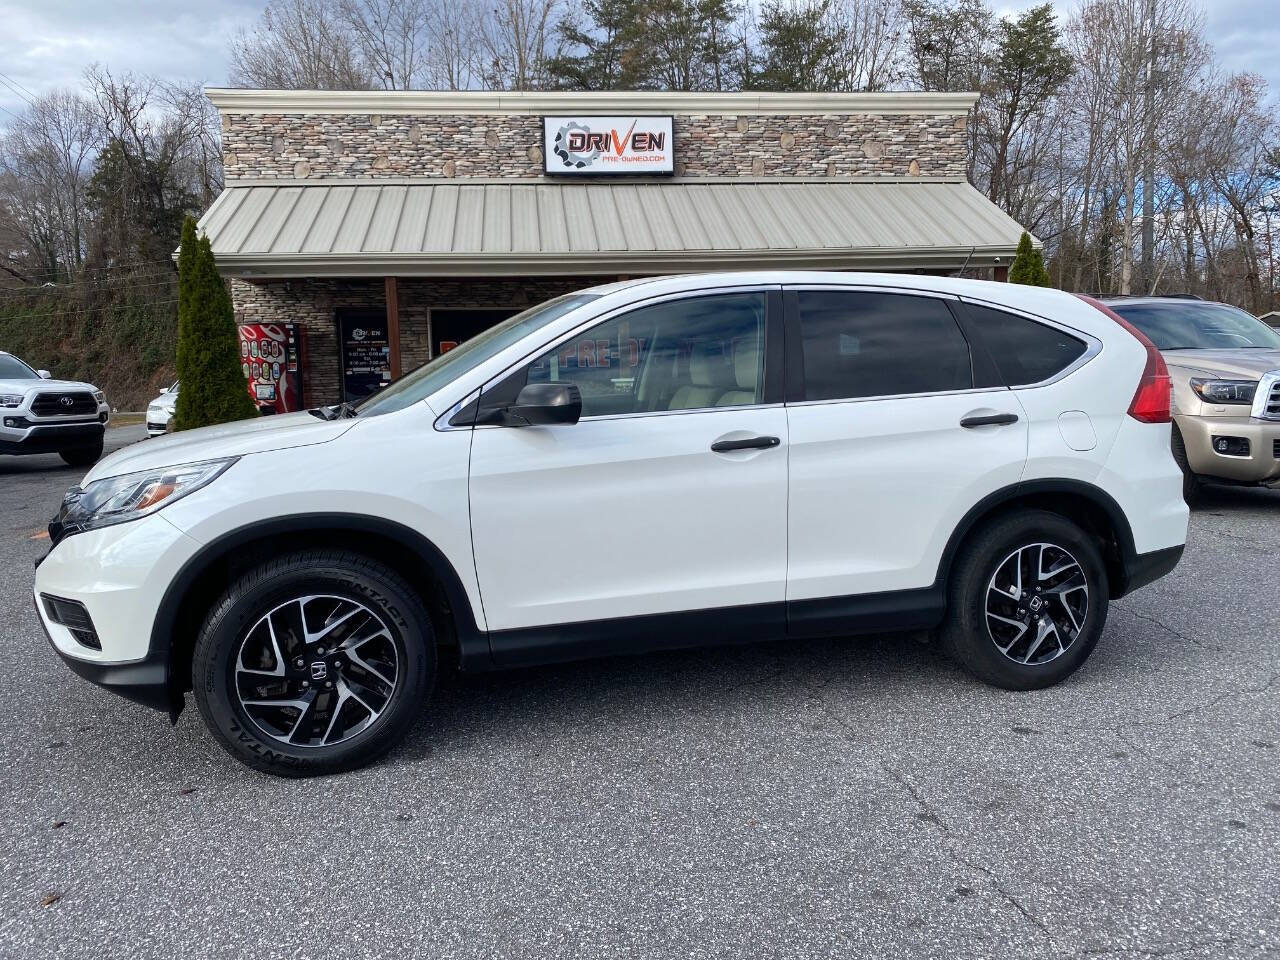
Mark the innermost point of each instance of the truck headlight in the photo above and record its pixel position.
(99, 396)
(134, 495)
(10, 400)
(1224, 391)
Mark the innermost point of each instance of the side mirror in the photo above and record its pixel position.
(543, 404)
(44, 374)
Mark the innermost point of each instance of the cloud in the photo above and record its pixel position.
(49, 43)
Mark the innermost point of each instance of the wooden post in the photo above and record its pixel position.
(393, 327)
(1000, 273)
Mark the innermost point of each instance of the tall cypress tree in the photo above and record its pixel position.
(213, 385)
(1028, 265)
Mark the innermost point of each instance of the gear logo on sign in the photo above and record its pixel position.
(576, 160)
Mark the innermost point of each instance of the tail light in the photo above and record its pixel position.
(1153, 398)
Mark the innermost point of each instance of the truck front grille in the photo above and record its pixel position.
(64, 404)
(1272, 408)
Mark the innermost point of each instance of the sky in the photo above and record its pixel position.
(48, 43)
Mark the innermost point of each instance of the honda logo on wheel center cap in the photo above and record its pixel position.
(319, 670)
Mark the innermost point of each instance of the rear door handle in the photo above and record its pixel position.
(750, 443)
(995, 419)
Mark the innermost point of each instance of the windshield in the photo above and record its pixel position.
(1199, 326)
(11, 368)
(436, 373)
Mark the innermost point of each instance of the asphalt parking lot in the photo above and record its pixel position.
(853, 798)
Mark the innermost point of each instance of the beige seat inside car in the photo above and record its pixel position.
(710, 376)
(746, 371)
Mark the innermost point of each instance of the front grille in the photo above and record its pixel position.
(72, 615)
(64, 404)
(1272, 408)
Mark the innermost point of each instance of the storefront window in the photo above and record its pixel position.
(436, 373)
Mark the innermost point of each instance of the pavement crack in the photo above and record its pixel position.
(932, 815)
(1170, 630)
(1224, 697)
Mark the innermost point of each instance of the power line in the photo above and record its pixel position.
(18, 93)
(27, 89)
(115, 309)
(118, 284)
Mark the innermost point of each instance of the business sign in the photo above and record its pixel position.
(607, 145)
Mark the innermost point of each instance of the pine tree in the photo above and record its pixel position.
(213, 385)
(1028, 265)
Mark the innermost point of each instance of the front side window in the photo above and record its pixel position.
(858, 344)
(685, 354)
(443, 369)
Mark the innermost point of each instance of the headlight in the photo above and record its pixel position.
(99, 396)
(1224, 391)
(134, 495)
(10, 400)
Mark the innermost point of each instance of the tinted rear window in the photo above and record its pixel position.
(1023, 350)
(858, 344)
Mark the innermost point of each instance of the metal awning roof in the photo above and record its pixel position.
(543, 227)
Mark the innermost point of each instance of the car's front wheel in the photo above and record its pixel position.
(314, 662)
(1027, 601)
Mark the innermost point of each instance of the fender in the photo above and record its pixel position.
(473, 643)
(1029, 488)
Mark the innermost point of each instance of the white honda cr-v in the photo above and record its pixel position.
(639, 466)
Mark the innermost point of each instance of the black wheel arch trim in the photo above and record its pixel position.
(473, 643)
(1124, 578)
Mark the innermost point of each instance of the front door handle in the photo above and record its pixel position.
(995, 419)
(750, 443)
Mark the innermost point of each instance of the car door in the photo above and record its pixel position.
(658, 519)
(896, 430)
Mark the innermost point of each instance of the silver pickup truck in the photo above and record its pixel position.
(41, 415)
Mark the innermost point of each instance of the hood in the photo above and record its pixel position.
(279, 432)
(26, 385)
(1249, 364)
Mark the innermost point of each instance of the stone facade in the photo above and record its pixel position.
(314, 304)
(318, 146)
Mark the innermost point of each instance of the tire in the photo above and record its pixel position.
(985, 565)
(82, 456)
(1192, 484)
(373, 684)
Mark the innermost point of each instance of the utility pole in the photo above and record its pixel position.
(1149, 157)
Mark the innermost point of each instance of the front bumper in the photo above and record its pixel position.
(1262, 465)
(145, 681)
(42, 437)
(119, 574)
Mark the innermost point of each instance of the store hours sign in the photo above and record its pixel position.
(626, 146)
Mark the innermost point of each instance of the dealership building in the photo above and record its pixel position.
(391, 225)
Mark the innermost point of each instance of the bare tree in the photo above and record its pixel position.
(514, 40)
(872, 36)
(393, 37)
(299, 44)
(46, 159)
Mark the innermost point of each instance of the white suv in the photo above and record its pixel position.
(639, 466)
(41, 415)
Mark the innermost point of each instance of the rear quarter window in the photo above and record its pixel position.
(1024, 351)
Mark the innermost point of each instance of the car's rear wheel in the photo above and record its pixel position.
(1027, 601)
(82, 456)
(315, 662)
